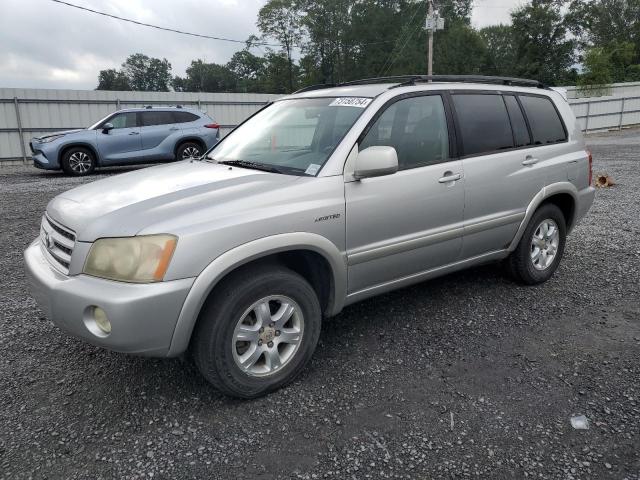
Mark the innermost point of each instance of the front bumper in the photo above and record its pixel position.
(143, 316)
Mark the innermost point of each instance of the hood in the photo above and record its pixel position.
(123, 205)
(55, 134)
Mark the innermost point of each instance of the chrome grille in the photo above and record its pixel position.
(57, 243)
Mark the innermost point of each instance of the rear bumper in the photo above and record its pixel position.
(584, 202)
(143, 316)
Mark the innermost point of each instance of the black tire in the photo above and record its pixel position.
(189, 150)
(213, 346)
(78, 161)
(520, 262)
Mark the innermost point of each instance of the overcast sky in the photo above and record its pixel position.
(47, 45)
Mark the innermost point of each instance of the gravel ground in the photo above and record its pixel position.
(465, 376)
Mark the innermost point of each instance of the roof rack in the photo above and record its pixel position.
(405, 80)
(315, 87)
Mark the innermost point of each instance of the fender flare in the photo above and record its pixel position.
(238, 256)
(82, 144)
(541, 196)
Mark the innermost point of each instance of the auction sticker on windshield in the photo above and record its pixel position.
(350, 102)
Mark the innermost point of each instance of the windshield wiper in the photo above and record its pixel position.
(252, 165)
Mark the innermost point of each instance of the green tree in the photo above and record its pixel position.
(249, 70)
(459, 50)
(500, 55)
(280, 20)
(596, 78)
(206, 77)
(146, 73)
(112, 79)
(614, 26)
(544, 50)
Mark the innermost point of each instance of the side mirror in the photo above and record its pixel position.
(376, 162)
(106, 127)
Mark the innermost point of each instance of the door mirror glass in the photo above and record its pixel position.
(376, 162)
(106, 127)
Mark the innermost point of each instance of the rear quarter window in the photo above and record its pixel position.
(184, 117)
(544, 120)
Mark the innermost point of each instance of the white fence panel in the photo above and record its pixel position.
(25, 113)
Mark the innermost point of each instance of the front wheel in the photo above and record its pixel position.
(257, 331)
(540, 249)
(78, 161)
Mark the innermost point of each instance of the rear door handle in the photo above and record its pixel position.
(450, 177)
(174, 128)
(529, 160)
(134, 133)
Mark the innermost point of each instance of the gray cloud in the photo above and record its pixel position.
(47, 45)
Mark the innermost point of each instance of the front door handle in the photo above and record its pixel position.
(529, 160)
(174, 128)
(450, 177)
(134, 133)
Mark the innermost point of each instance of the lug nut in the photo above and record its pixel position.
(259, 343)
(270, 344)
(277, 333)
(272, 324)
(261, 329)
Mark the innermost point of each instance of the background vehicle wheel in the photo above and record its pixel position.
(189, 150)
(257, 331)
(541, 247)
(78, 161)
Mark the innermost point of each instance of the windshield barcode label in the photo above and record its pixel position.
(350, 102)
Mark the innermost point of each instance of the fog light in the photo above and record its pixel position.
(101, 319)
(96, 321)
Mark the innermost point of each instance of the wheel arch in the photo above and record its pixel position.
(562, 194)
(314, 257)
(86, 145)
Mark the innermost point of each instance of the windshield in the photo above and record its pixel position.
(291, 136)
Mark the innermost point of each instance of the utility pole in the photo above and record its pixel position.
(430, 47)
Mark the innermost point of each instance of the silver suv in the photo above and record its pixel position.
(322, 199)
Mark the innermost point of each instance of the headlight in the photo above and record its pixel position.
(141, 259)
(50, 139)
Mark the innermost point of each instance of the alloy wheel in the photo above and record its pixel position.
(544, 244)
(268, 335)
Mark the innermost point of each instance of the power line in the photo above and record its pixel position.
(182, 32)
(164, 28)
(408, 33)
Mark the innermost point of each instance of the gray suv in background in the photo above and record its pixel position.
(324, 198)
(126, 137)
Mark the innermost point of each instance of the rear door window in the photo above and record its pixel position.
(156, 118)
(544, 120)
(484, 123)
(518, 123)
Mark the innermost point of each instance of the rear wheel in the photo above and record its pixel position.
(540, 249)
(257, 332)
(189, 150)
(78, 161)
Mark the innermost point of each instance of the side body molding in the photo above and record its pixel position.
(230, 260)
(541, 196)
